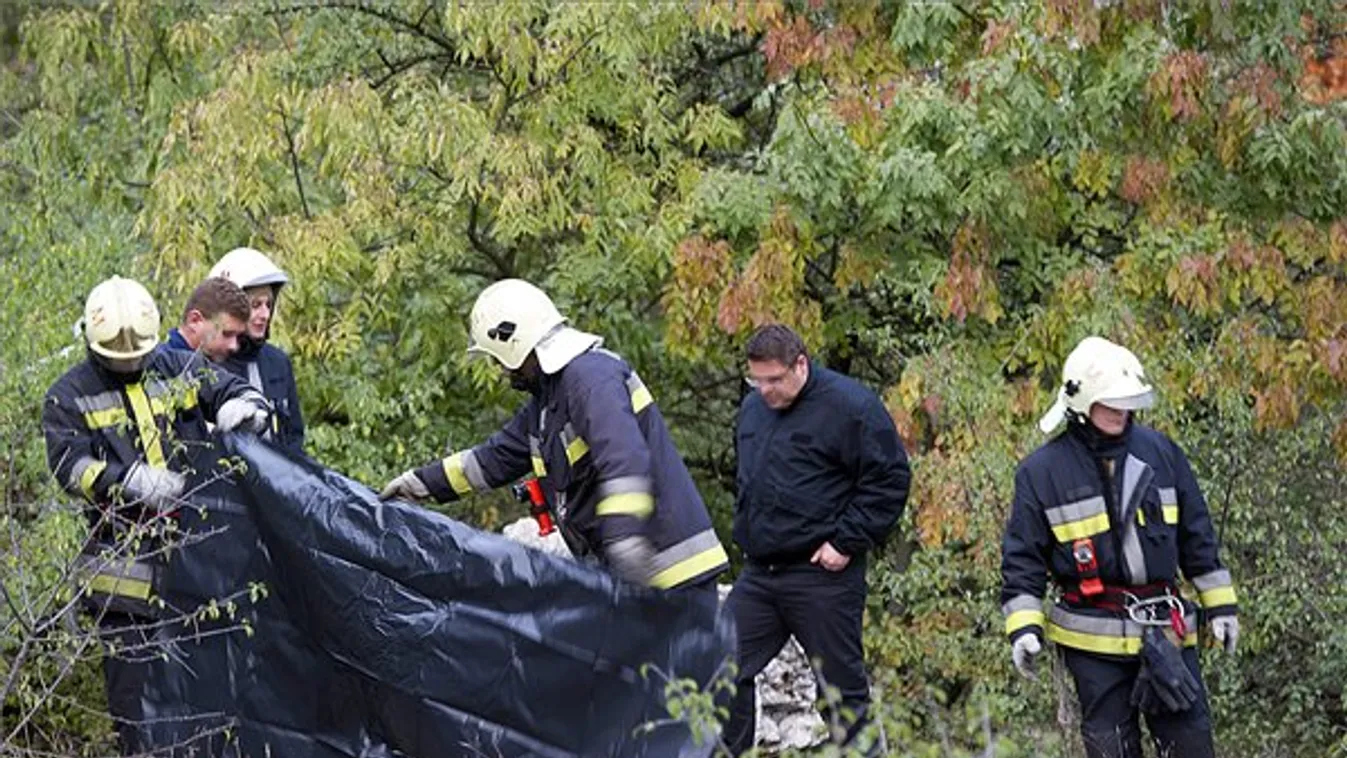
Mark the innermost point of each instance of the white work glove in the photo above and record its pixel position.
(158, 488)
(248, 412)
(407, 486)
(1226, 631)
(631, 558)
(1023, 652)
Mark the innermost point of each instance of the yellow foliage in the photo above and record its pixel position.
(1093, 173)
(939, 506)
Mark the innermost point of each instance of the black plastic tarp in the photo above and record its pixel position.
(386, 629)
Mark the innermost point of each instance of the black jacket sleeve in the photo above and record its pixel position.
(606, 419)
(882, 477)
(293, 431)
(1199, 553)
(215, 385)
(1025, 550)
(503, 458)
(70, 451)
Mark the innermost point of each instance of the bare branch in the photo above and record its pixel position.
(397, 67)
(415, 28)
(294, 163)
(497, 256)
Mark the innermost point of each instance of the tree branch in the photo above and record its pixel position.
(484, 246)
(415, 28)
(397, 67)
(294, 164)
(561, 71)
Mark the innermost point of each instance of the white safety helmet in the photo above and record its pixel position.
(1098, 371)
(247, 267)
(121, 323)
(513, 318)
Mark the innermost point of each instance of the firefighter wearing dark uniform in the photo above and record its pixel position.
(1111, 512)
(115, 427)
(595, 439)
(263, 365)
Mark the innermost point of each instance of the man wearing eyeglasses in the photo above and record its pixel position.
(822, 479)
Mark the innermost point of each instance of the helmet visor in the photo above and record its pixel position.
(1135, 402)
(125, 344)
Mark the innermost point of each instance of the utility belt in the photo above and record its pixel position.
(1114, 619)
(1117, 597)
(117, 584)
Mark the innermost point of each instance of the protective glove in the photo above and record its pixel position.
(158, 488)
(1226, 631)
(1164, 683)
(631, 558)
(407, 486)
(1023, 652)
(248, 412)
(1143, 693)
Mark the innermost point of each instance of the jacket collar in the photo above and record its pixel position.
(809, 384)
(248, 348)
(177, 341)
(1100, 445)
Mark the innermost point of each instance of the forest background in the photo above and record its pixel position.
(943, 197)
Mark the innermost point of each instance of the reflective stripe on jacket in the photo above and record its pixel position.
(1161, 530)
(98, 423)
(597, 442)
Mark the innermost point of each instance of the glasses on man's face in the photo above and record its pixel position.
(772, 380)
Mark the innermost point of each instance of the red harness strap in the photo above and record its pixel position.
(1113, 597)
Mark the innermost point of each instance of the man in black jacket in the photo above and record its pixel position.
(214, 321)
(822, 479)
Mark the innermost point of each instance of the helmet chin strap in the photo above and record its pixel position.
(121, 365)
(1094, 437)
(528, 377)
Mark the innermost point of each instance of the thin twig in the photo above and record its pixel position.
(294, 163)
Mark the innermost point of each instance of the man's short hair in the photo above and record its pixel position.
(215, 296)
(775, 342)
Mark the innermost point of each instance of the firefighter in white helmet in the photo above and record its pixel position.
(116, 427)
(262, 364)
(1110, 511)
(593, 435)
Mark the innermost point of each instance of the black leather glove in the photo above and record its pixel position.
(1164, 683)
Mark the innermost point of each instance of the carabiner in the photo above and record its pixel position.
(1153, 611)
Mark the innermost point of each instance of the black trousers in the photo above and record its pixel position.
(823, 610)
(126, 667)
(1109, 723)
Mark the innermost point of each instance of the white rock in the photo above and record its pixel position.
(787, 717)
(525, 530)
(798, 730)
